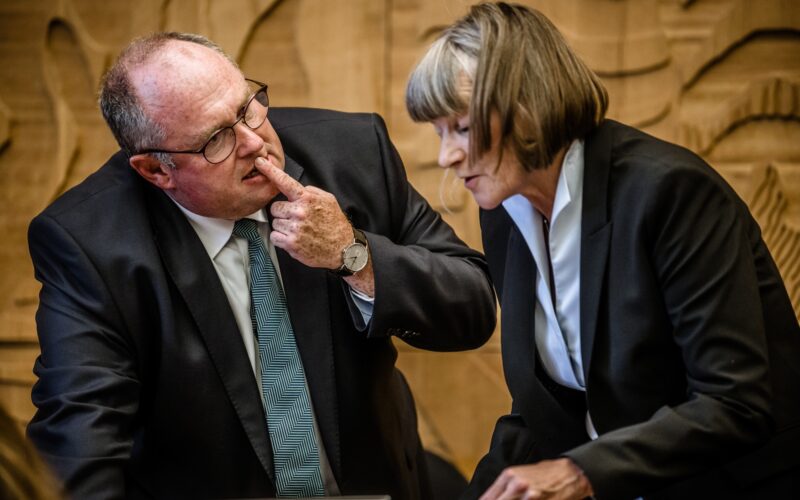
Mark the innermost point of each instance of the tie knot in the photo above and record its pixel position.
(246, 228)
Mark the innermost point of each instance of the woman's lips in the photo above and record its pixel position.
(470, 181)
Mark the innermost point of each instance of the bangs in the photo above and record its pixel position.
(438, 86)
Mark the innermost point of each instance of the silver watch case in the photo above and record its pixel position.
(355, 255)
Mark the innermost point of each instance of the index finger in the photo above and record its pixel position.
(285, 184)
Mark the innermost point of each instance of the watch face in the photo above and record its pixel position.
(355, 257)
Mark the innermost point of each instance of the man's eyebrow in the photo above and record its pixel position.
(205, 135)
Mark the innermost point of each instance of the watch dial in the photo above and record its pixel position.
(355, 257)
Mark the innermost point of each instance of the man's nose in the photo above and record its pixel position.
(248, 139)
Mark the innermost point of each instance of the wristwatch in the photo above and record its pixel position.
(354, 256)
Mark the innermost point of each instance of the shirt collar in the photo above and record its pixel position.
(570, 185)
(214, 233)
(570, 180)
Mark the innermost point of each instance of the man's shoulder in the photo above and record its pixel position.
(333, 137)
(284, 119)
(113, 184)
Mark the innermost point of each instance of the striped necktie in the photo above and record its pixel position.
(286, 400)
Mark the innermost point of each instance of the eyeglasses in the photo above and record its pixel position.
(222, 142)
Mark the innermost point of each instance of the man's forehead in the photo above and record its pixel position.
(179, 102)
(189, 53)
(161, 91)
(171, 79)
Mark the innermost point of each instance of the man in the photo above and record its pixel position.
(159, 376)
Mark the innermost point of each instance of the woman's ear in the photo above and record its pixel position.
(153, 171)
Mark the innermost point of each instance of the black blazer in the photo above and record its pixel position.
(690, 346)
(145, 389)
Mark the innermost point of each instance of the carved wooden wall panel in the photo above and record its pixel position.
(718, 76)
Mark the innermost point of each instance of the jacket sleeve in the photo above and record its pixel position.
(431, 290)
(88, 389)
(512, 444)
(700, 241)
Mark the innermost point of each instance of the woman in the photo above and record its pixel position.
(649, 343)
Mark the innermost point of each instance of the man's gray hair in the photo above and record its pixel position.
(133, 129)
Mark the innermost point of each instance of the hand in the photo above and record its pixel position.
(549, 479)
(310, 226)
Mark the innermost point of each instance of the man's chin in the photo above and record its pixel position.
(257, 203)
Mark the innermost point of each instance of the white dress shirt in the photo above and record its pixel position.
(557, 326)
(231, 260)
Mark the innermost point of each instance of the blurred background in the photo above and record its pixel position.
(721, 77)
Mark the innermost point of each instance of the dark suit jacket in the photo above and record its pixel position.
(689, 343)
(145, 389)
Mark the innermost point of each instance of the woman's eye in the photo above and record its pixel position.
(462, 130)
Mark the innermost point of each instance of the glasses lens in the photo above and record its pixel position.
(220, 145)
(256, 112)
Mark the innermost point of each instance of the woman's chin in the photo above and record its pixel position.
(486, 203)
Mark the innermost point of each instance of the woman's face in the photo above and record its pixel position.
(489, 182)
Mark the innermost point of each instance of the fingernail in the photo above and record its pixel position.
(261, 161)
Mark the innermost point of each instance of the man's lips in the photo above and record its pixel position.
(253, 173)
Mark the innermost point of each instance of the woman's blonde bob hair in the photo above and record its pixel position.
(517, 65)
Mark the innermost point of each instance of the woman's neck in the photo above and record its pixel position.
(541, 184)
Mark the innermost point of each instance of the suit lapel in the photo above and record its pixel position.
(308, 303)
(595, 236)
(557, 429)
(195, 278)
(519, 305)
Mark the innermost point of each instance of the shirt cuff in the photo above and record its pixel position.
(365, 305)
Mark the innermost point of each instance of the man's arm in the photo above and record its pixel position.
(430, 289)
(87, 394)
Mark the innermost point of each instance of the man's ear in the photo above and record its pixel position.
(153, 171)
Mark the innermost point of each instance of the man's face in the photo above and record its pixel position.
(193, 92)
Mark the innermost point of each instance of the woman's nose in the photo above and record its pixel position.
(450, 153)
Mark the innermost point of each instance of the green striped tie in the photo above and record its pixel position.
(286, 400)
